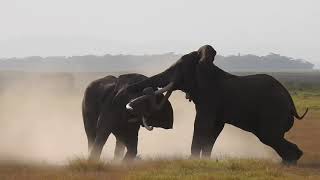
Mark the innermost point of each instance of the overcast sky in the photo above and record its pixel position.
(77, 27)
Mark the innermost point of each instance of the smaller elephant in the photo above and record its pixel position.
(104, 112)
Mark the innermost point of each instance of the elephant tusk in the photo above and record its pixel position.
(168, 88)
(138, 99)
(144, 121)
(165, 89)
(128, 107)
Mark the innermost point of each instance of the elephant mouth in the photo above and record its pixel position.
(144, 122)
(138, 117)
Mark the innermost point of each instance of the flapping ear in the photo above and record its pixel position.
(207, 54)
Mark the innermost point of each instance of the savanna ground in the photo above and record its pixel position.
(305, 133)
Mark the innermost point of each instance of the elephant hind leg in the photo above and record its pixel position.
(119, 149)
(102, 134)
(91, 137)
(90, 124)
(289, 152)
(97, 147)
(294, 154)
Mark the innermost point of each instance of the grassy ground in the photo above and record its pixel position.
(305, 133)
(163, 169)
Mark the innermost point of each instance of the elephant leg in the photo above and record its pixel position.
(119, 149)
(289, 152)
(211, 139)
(272, 134)
(131, 143)
(102, 134)
(205, 132)
(99, 142)
(196, 142)
(90, 123)
(293, 153)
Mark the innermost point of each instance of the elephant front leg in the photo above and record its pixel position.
(119, 149)
(199, 126)
(98, 144)
(131, 149)
(196, 145)
(206, 131)
(210, 139)
(131, 144)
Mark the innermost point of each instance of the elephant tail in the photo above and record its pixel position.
(295, 114)
(294, 109)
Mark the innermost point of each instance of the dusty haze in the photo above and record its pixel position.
(41, 120)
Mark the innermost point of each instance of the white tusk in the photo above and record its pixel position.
(168, 87)
(128, 106)
(144, 121)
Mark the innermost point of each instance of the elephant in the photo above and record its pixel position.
(104, 113)
(255, 103)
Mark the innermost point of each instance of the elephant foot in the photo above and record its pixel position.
(138, 158)
(299, 154)
(94, 158)
(193, 157)
(289, 162)
(131, 159)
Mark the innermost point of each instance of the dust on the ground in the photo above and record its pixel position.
(40, 120)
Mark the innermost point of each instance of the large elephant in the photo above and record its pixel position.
(104, 113)
(256, 103)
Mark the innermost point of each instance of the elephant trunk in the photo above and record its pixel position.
(158, 80)
(145, 124)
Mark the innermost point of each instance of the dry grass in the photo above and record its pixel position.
(305, 133)
(163, 169)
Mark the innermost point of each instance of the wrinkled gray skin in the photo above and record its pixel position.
(256, 103)
(105, 113)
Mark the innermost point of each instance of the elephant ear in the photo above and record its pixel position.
(207, 54)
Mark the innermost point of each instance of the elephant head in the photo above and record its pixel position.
(184, 75)
(154, 110)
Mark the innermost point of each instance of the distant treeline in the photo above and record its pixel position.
(269, 63)
(134, 63)
(75, 83)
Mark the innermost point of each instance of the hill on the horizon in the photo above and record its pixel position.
(115, 63)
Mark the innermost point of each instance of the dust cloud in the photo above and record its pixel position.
(40, 121)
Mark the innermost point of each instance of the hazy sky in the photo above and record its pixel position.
(77, 27)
